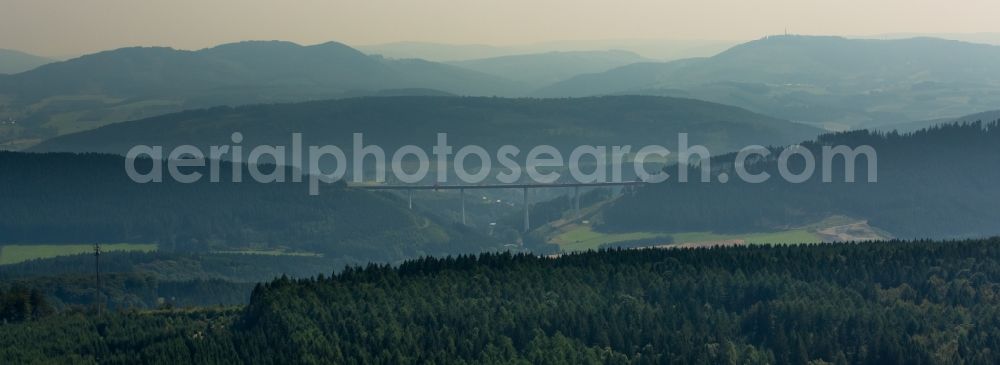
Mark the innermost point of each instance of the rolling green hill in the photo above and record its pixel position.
(489, 122)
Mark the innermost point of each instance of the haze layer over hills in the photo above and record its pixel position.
(830, 82)
(12, 62)
(541, 69)
(658, 49)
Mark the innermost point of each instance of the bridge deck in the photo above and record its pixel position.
(527, 224)
(495, 186)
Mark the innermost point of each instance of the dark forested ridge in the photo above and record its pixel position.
(392, 122)
(88, 198)
(870, 303)
(938, 182)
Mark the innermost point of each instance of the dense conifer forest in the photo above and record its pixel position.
(869, 303)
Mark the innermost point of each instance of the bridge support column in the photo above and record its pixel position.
(462, 192)
(576, 201)
(527, 223)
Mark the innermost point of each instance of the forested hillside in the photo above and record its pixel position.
(869, 303)
(88, 198)
(937, 182)
(392, 122)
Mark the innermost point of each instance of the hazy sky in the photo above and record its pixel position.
(69, 27)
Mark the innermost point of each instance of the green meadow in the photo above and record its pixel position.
(12, 254)
(582, 238)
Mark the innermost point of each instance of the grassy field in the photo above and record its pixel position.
(105, 110)
(580, 238)
(782, 237)
(12, 254)
(273, 252)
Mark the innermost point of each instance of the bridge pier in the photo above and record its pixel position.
(576, 201)
(524, 188)
(462, 192)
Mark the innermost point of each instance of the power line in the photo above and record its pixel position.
(97, 270)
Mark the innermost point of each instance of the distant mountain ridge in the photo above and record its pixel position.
(828, 82)
(831, 81)
(848, 63)
(659, 49)
(269, 66)
(12, 62)
(539, 69)
(138, 82)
